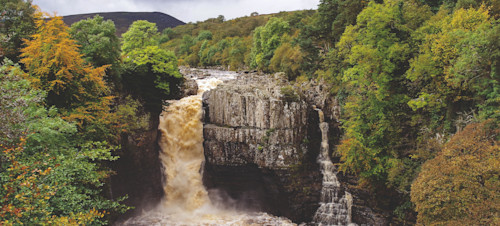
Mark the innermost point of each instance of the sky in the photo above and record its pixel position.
(185, 10)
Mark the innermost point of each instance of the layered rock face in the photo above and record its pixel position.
(257, 147)
(262, 140)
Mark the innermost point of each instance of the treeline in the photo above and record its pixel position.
(68, 98)
(241, 43)
(419, 86)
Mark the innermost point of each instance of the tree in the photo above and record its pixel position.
(160, 62)
(72, 85)
(140, 34)
(56, 66)
(460, 185)
(48, 174)
(166, 35)
(17, 22)
(376, 51)
(204, 35)
(288, 59)
(266, 40)
(456, 67)
(151, 73)
(15, 99)
(334, 16)
(99, 44)
(185, 47)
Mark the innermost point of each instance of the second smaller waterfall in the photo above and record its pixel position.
(335, 204)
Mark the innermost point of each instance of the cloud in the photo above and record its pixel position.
(185, 10)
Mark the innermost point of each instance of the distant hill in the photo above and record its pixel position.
(124, 19)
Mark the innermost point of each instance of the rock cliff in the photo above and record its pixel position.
(262, 140)
(257, 149)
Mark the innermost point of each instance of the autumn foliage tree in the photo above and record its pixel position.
(461, 185)
(56, 66)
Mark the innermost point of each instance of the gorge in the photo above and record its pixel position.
(247, 151)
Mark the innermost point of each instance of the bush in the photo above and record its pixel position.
(288, 94)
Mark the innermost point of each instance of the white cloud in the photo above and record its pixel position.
(185, 10)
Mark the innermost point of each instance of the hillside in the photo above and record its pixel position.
(124, 19)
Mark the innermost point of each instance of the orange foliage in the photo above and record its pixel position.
(75, 87)
(461, 185)
(56, 66)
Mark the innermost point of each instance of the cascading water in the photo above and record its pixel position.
(335, 207)
(186, 199)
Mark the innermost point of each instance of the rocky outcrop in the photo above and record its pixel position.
(262, 140)
(189, 87)
(252, 128)
(263, 129)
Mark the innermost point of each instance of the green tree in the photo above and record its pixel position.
(185, 47)
(15, 98)
(456, 67)
(266, 40)
(99, 44)
(152, 75)
(166, 35)
(335, 15)
(204, 35)
(376, 50)
(17, 22)
(139, 35)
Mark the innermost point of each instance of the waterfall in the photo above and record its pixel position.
(181, 142)
(335, 204)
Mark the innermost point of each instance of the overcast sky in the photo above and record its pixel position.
(185, 10)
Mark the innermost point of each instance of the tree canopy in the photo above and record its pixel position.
(99, 44)
(140, 34)
(460, 185)
(17, 22)
(150, 73)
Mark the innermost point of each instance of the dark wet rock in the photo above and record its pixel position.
(189, 87)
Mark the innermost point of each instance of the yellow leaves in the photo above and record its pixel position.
(461, 183)
(55, 65)
(468, 19)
